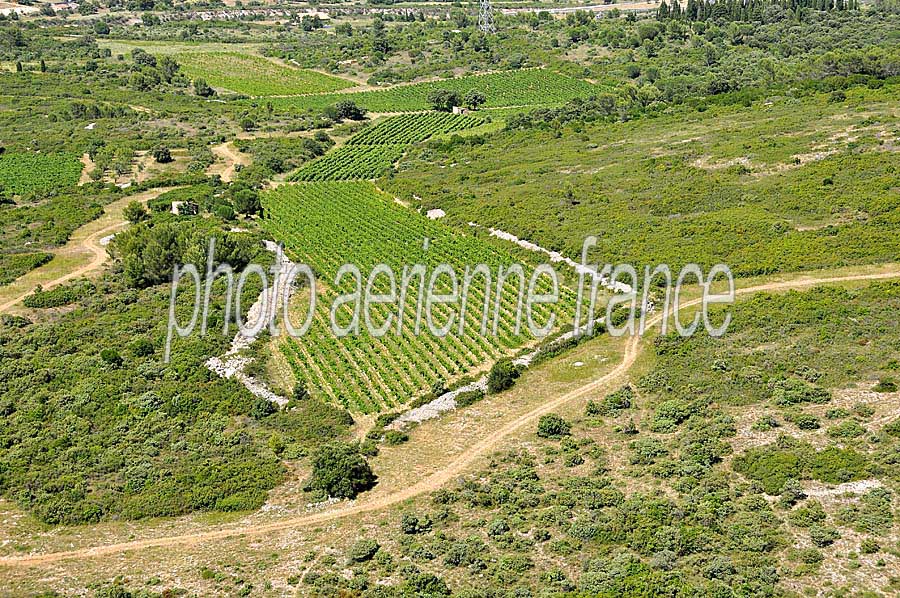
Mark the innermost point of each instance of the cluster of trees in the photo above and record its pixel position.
(445, 100)
(745, 10)
(149, 72)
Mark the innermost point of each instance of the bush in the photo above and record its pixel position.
(823, 536)
(885, 385)
(793, 392)
(111, 357)
(162, 155)
(411, 524)
(135, 212)
(503, 376)
(553, 426)
(395, 437)
(810, 556)
(363, 550)
(340, 471)
(847, 429)
(804, 421)
(464, 399)
(612, 404)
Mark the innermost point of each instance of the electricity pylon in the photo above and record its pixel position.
(486, 17)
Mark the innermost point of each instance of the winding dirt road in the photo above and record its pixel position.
(436, 480)
(231, 157)
(84, 244)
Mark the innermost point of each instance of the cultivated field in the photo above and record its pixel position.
(536, 87)
(355, 223)
(255, 75)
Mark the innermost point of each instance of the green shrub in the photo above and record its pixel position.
(613, 403)
(823, 536)
(363, 550)
(340, 471)
(464, 399)
(847, 429)
(395, 437)
(793, 392)
(503, 376)
(885, 385)
(553, 426)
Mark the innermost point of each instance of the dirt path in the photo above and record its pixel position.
(81, 255)
(89, 167)
(231, 158)
(436, 480)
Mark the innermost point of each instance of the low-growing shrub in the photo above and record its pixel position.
(553, 426)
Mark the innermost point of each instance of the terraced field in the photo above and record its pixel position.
(533, 87)
(353, 222)
(255, 75)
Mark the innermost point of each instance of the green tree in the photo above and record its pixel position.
(340, 471)
(135, 212)
(474, 99)
(443, 100)
(202, 89)
(553, 426)
(162, 155)
(246, 202)
(503, 375)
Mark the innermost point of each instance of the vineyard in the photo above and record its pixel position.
(22, 173)
(534, 87)
(371, 152)
(413, 128)
(351, 163)
(352, 222)
(255, 75)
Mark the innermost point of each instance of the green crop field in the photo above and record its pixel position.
(26, 172)
(353, 222)
(413, 128)
(371, 152)
(351, 162)
(255, 75)
(533, 87)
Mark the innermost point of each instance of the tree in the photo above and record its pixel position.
(340, 471)
(202, 89)
(443, 100)
(162, 155)
(502, 376)
(246, 202)
(168, 67)
(101, 28)
(380, 43)
(473, 99)
(346, 109)
(43, 66)
(135, 212)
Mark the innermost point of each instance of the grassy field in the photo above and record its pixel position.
(785, 185)
(255, 75)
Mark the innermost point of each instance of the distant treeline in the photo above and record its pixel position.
(744, 10)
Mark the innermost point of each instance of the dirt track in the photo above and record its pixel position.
(435, 481)
(231, 158)
(85, 240)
